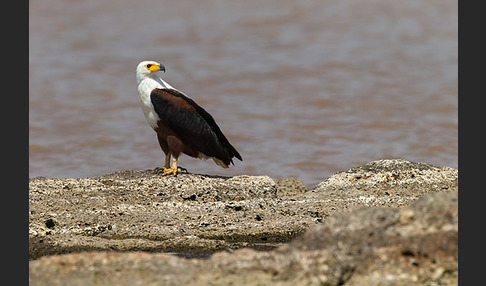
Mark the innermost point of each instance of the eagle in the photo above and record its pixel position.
(181, 125)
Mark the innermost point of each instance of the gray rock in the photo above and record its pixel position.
(137, 210)
(391, 177)
(196, 215)
(416, 245)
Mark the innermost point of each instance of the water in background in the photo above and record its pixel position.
(302, 89)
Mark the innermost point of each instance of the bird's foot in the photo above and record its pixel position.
(169, 171)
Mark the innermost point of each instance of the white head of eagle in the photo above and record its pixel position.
(182, 126)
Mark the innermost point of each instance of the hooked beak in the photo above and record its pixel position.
(161, 68)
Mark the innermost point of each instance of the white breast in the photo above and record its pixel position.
(145, 87)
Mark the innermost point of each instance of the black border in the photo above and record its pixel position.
(471, 142)
(15, 141)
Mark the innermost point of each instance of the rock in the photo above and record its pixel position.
(388, 182)
(368, 246)
(391, 177)
(137, 210)
(383, 246)
(290, 187)
(195, 215)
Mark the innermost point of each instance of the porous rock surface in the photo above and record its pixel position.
(388, 222)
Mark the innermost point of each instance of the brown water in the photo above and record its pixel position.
(301, 88)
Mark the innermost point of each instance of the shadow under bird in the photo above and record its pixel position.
(182, 126)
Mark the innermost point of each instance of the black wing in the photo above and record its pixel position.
(193, 124)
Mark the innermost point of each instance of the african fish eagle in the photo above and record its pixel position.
(182, 126)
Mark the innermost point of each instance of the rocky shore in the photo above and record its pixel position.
(388, 222)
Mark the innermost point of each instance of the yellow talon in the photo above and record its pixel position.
(172, 170)
(167, 170)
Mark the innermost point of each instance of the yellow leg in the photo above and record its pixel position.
(167, 161)
(172, 170)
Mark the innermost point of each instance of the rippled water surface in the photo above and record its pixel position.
(302, 89)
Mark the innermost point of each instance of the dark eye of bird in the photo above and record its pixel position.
(149, 65)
